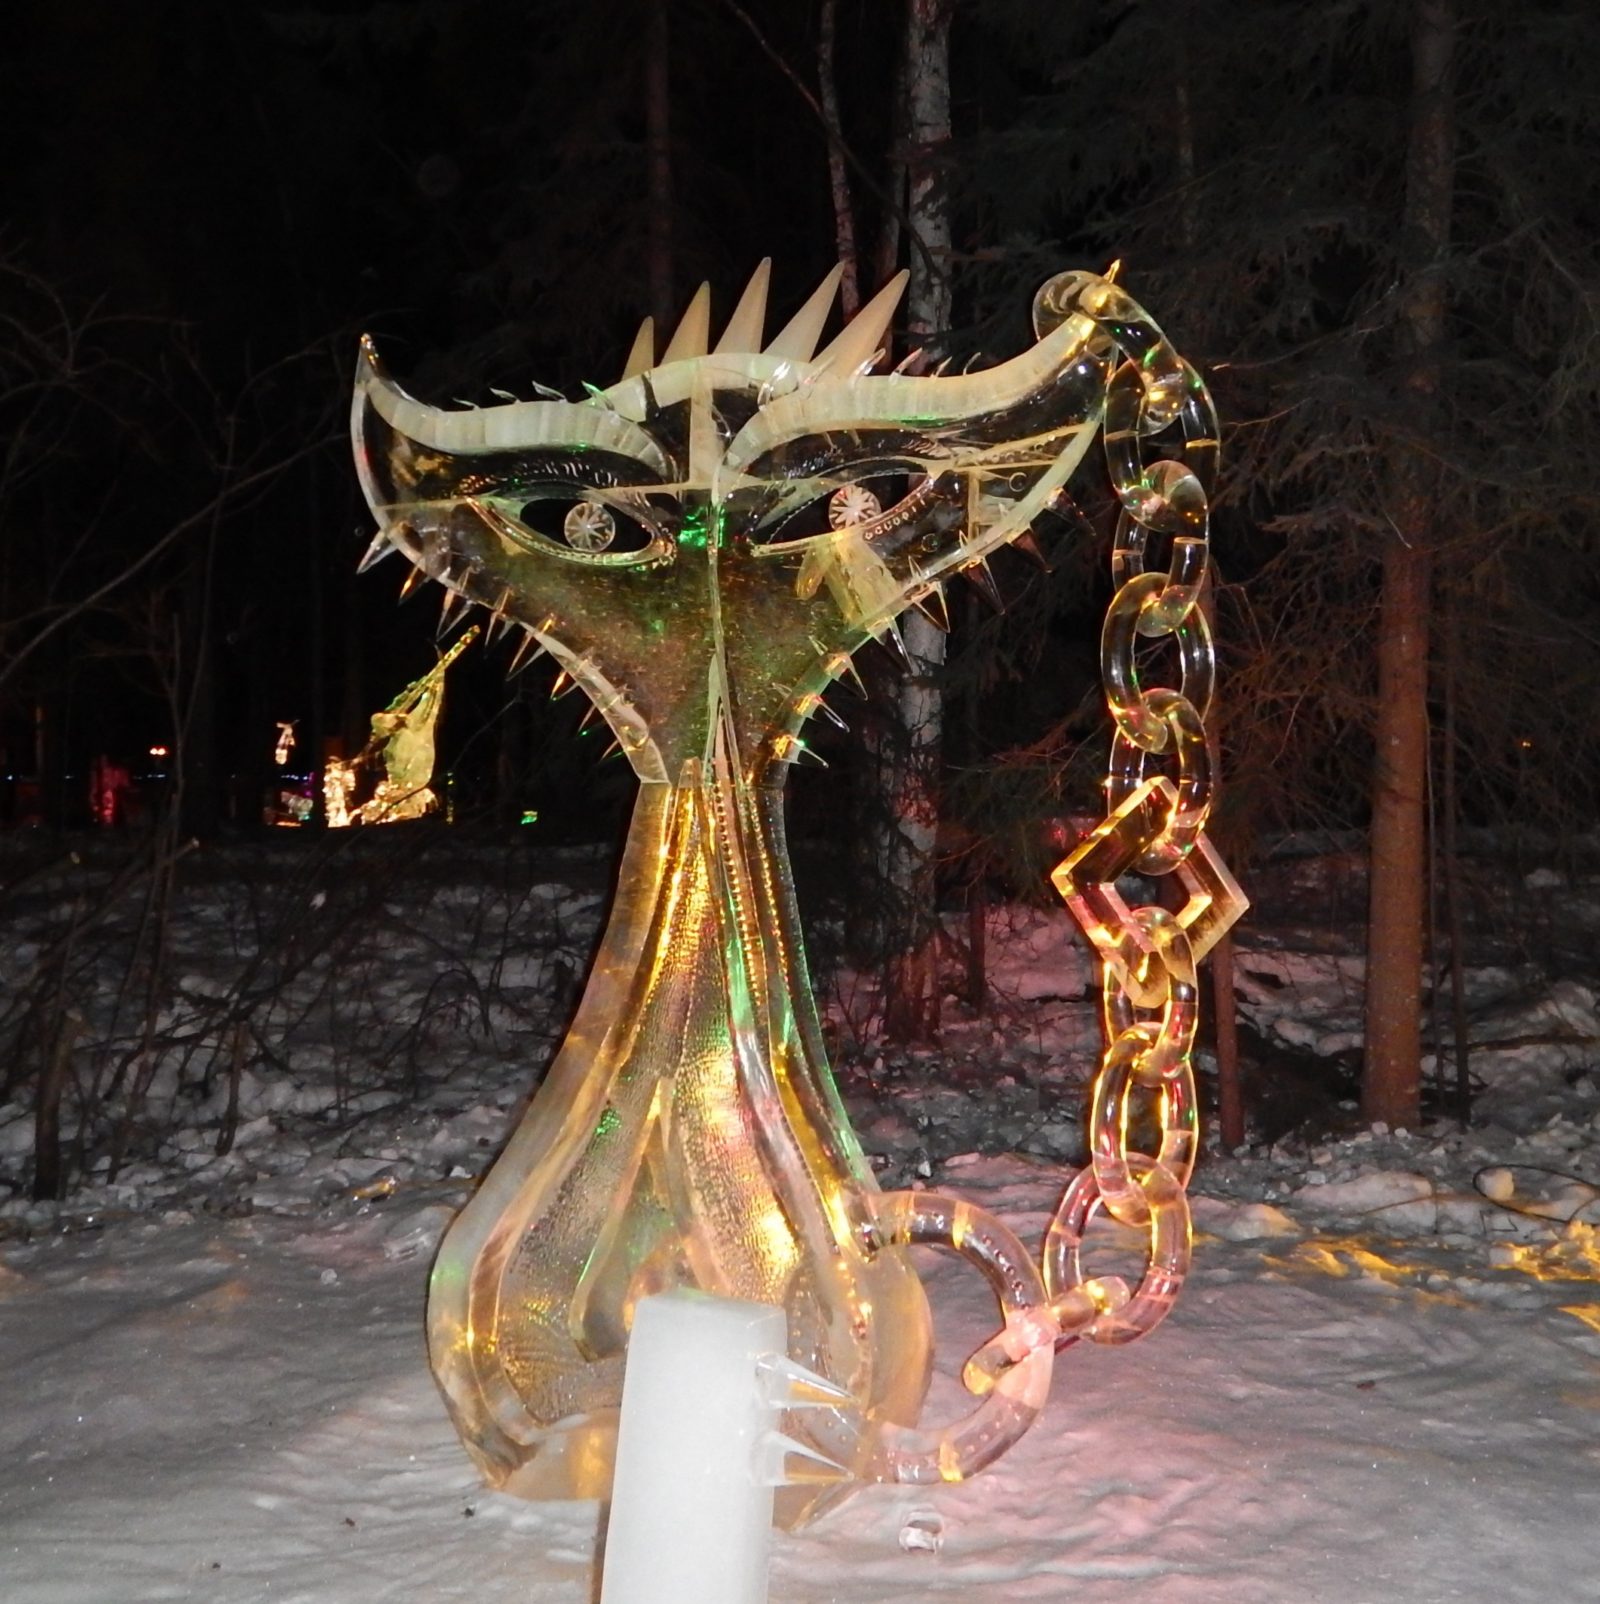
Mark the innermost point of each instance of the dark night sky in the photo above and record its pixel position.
(236, 191)
(224, 196)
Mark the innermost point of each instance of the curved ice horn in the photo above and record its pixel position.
(743, 333)
(517, 426)
(1055, 384)
(642, 353)
(690, 336)
(860, 340)
(798, 338)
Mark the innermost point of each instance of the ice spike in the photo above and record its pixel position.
(977, 574)
(642, 353)
(450, 613)
(781, 1461)
(1026, 542)
(689, 338)
(841, 666)
(797, 339)
(380, 548)
(932, 607)
(528, 651)
(859, 341)
(743, 333)
(787, 1384)
(828, 713)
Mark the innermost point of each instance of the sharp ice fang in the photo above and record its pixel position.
(786, 1384)
(781, 1461)
(380, 548)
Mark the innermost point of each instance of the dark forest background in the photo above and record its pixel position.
(206, 204)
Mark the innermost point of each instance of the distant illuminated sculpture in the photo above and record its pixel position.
(701, 548)
(403, 741)
(110, 786)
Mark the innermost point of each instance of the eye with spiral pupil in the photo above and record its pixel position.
(850, 505)
(588, 526)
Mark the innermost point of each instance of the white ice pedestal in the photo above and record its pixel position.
(691, 1511)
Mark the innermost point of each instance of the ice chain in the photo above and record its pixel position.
(1161, 444)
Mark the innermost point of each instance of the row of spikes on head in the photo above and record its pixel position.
(857, 347)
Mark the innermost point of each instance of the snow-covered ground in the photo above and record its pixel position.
(1382, 1382)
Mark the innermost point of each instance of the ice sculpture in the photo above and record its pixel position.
(701, 547)
(403, 741)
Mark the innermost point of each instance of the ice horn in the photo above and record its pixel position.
(690, 336)
(743, 332)
(798, 337)
(860, 340)
(642, 354)
(1053, 387)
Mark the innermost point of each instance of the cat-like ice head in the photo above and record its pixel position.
(758, 470)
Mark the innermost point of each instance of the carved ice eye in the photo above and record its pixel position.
(850, 505)
(589, 527)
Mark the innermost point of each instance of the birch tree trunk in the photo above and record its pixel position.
(844, 220)
(1392, 1079)
(911, 997)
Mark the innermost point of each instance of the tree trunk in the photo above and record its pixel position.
(1392, 1081)
(195, 746)
(887, 256)
(844, 221)
(911, 994)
